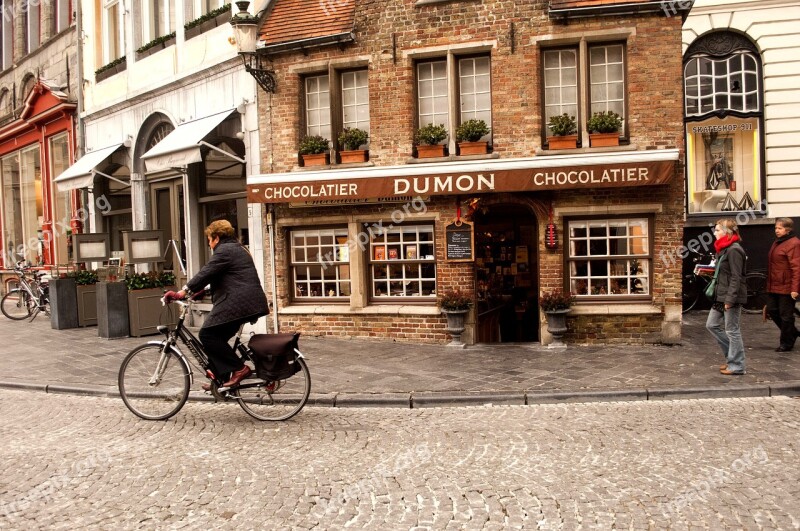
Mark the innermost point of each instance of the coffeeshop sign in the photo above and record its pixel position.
(512, 180)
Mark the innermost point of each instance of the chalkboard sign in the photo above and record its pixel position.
(460, 242)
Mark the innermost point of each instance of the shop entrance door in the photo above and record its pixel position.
(168, 200)
(506, 268)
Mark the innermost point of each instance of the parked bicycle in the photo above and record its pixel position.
(30, 297)
(695, 283)
(155, 378)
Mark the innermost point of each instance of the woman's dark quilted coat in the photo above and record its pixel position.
(235, 288)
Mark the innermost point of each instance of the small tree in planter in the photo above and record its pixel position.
(144, 301)
(314, 150)
(564, 129)
(351, 140)
(455, 304)
(468, 135)
(428, 140)
(604, 129)
(556, 305)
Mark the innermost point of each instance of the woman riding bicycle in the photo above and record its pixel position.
(237, 297)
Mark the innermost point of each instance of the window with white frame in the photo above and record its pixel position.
(23, 214)
(62, 16)
(402, 262)
(320, 263)
(331, 106)
(113, 37)
(158, 19)
(194, 9)
(473, 79)
(563, 88)
(6, 34)
(609, 258)
(724, 113)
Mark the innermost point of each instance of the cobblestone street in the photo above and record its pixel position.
(76, 462)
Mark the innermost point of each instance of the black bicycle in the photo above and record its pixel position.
(155, 378)
(30, 296)
(696, 282)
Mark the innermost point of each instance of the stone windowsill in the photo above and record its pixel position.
(614, 309)
(388, 309)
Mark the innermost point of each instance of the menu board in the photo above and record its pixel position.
(460, 242)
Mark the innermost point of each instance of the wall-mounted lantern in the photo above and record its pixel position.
(245, 33)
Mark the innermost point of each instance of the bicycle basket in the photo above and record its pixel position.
(274, 356)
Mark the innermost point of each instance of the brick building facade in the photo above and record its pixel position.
(361, 249)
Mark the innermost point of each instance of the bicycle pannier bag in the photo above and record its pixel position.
(274, 356)
(712, 286)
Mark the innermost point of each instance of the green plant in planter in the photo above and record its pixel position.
(563, 125)
(149, 280)
(556, 300)
(604, 122)
(472, 131)
(314, 145)
(85, 278)
(430, 135)
(110, 65)
(455, 301)
(352, 138)
(208, 16)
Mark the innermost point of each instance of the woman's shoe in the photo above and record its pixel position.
(238, 376)
(723, 366)
(726, 372)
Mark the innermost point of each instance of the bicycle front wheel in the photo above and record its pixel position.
(17, 304)
(277, 400)
(154, 384)
(756, 292)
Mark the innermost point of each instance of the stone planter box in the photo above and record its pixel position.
(473, 148)
(563, 142)
(319, 159)
(112, 310)
(145, 312)
(428, 152)
(604, 139)
(210, 24)
(87, 304)
(63, 303)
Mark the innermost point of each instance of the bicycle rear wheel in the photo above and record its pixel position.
(691, 292)
(756, 292)
(278, 400)
(153, 384)
(17, 304)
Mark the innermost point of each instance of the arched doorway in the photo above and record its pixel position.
(506, 265)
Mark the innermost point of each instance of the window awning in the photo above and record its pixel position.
(182, 146)
(81, 174)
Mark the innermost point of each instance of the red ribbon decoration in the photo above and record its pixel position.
(551, 237)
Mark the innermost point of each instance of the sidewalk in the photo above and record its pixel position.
(385, 373)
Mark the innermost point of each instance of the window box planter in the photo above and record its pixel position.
(604, 139)
(146, 313)
(353, 156)
(563, 142)
(108, 72)
(87, 304)
(428, 152)
(219, 20)
(155, 46)
(317, 159)
(473, 148)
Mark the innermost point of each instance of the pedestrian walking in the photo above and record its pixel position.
(729, 293)
(783, 282)
(237, 297)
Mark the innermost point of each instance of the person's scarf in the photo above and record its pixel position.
(785, 237)
(725, 242)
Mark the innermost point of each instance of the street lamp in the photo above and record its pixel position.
(245, 32)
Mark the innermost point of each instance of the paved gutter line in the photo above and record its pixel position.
(418, 399)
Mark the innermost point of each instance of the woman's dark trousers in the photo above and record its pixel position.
(781, 310)
(221, 355)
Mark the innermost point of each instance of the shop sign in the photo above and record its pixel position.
(623, 175)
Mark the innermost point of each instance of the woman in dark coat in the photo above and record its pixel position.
(237, 297)
(783, 281)
(729, 295)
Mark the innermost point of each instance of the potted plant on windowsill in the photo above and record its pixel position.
(351, 139)
(455, 304)
(556, 305)
(428, 139)
(144, 301)
(564, 129)
(604, 129)
(314, 150)
(469, 135)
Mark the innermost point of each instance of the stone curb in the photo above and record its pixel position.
(455, 399)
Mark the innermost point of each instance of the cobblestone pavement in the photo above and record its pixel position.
(86, 462)
(36, 353)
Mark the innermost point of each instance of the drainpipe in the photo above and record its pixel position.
(271, 230)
